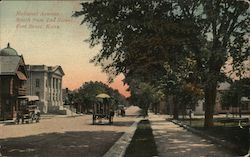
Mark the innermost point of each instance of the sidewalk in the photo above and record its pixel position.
(174, 141)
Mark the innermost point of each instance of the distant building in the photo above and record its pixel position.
(222, 87)
(13, 75)
(219, 108)
(46, 82)
(199, 108)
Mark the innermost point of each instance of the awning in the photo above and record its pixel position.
(29, 97)
(103, 95)
(21, 76)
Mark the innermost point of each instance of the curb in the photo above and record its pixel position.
(120, 146)
(221, 142)
(3, 123)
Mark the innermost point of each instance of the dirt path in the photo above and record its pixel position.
(62, 137)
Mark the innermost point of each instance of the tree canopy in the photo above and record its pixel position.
(86, 94)
(139, 37)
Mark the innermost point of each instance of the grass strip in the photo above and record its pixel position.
(142, 143)
(231, 132)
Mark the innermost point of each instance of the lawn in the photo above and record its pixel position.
(230, 131)
(143, 143)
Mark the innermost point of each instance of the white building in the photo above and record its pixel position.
(219, 108)
(46, 82)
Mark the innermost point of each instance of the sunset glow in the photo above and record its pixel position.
(45, 33)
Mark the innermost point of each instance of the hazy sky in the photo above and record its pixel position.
(45, 33)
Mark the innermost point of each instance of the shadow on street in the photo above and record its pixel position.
(75, 144)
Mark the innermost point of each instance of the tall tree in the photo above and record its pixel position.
(227, 36)
(140, 36)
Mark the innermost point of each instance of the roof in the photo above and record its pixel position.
(44, 68)
(103, 95)
(8, 51)
(9, 64)
(57, 67)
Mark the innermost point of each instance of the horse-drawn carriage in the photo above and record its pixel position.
(28, 109)
(103, 109)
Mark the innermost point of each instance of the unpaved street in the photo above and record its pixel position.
(63, 137)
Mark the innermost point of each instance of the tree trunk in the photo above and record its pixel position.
(176, 108)
(210, 97)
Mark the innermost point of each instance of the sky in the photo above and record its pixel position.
(45, 33)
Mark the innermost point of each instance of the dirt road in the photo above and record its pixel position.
(63, 137)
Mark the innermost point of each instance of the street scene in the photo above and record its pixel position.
(64, 136)
(118, 78)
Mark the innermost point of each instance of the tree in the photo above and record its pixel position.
(180, 84)
(140, 36)
(86, 94)
(227, 31)
(145, 95)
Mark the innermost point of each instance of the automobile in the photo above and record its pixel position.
(28, 110)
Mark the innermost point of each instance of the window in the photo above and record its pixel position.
(37, 83)
(38, 94)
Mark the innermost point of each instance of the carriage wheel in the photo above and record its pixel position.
(32, 118)
(17, 119)
(37, 118)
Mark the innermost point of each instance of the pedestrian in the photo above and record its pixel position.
(190, 114)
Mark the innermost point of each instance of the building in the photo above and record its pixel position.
(13, 75)
(199, 108)
(219, 108)
(46, 82)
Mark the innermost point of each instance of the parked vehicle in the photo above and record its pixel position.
(28, 109)
(121, 110)
(103, 109)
